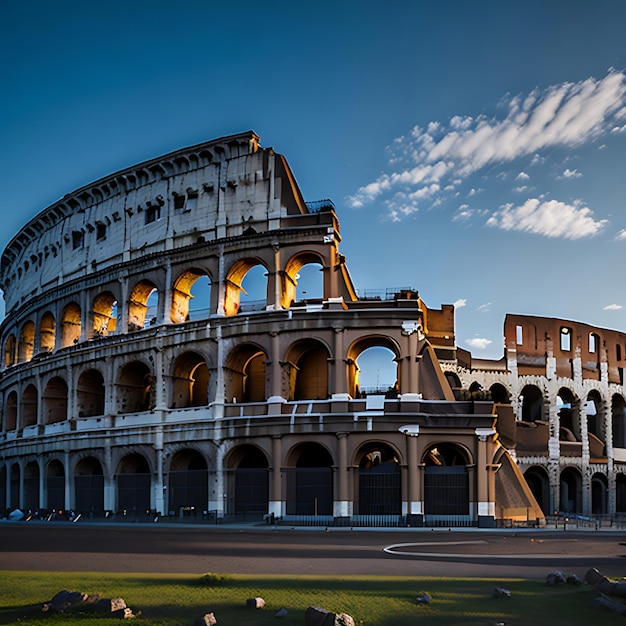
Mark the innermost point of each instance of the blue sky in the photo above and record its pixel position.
(474, 150)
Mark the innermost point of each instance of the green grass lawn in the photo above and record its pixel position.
(178, 600)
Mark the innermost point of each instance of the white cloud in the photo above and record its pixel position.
(522, 176)
(571, 173)
(480, 343)
(549, 218)
(484, 308)
(621, 235)
(612, 307)
(461, 302)
(521, 189)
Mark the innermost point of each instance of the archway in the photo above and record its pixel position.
(10, 411)
(104, 314)
(245, 375)
(89, 487)
(620, 493)
(55, 486)
(190, 381)
(135, 390)
(31, 486)
(29, 406)
(191, 296)
(249, 476)
(142, 305)
(303, 280)
(539, 483)
(571, 491)
(9, 351)
(54, 401)
(594, 410)
(133, 484)
(569, 422)
(26, 345)
(380, 488)
(500, 394)
(47, 332)
(599, 494)
(372, 367)
(70, 325)
(90, 393)
(308, 371)
(246, 287)
(531, 401)
(618, 421)
(188, 483)
(310, 480)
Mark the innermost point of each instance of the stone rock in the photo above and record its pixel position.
(604, 585)
(500, 592)
(315, 616)
(554, 578)
(63, 600)
(208, 619)
(423, 598)
(572, 579)
(255, 603)
(281, 612)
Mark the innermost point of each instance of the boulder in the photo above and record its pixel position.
(208, 619)
(315, 616)
(281, 612)
(63, 600)
(554, 578)
(255, 603)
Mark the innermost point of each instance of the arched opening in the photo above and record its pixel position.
(245, 374)
(446, 483)
(55, 486)
(70, 325)
(10, 411)
(3, 488)
(104, 314)
(9, 351)
(594, 410)
(618, 421)
(89, 487)
(499, 394)
(571, 491)
(14, 480)
(532, 405)
(303, 280)
(249, 478)
(190, 381)
(599, 495)
(29, 406)
(188, 484)
(308, 371)
(54, 401)
(90, 393)
(620, 493)
(246, 287)
(455, 384)
(133, 484)
(31, 486)
(310, 480)
(191, 297)
(26, 345)
(372, 367)
(539, 483)
(568, 404)
(47, 332)
(135, 389)
(380, 488)
(143, 306)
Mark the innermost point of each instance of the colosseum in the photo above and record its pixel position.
(161, 358)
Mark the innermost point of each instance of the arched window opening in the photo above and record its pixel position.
(569, 421)
(191, 297)
(594, 410)
(133, 486)
(31, 486)
(571, 491)
(565, 335)
(532, 405)
(539, 484)
(620, 493)
(70, 325)
(303, 280)
(246, 287)
(599, 495)
(90, 393)
(54, 401)
(455, 384)
(29, 406)
(15, 486)
(446, 482)
(618, 421)
(135, 389)
(9, 351)
(55, 486)
(89, 487)
(380, 490)
(308, 371)
(246, 375)
(143, 306)
(190, 386)
(26, 345)
(104, 314)
(310, 481)
(376, 371)
(499, 394)
(47, 332)
(594, 344)
(188, 484)
(10, 411)
(248, 474)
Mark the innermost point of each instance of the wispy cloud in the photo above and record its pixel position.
(480, 343)
(484, 308)
(621, 235)
(613, 307)
(428, 162)
(461, 302)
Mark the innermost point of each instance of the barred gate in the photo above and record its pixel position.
(446, 495)
(380, 491)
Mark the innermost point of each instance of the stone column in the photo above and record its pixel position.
(158, 488)
(342, 507)
(485, 492)
(277, 501)
(109, 480)
(415, 503)
(276, 371)
(585, 470)
(70, 494)
(339, 377)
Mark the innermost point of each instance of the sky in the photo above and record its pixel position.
(475, 151)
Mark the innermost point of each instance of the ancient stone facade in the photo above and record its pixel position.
(138, 376)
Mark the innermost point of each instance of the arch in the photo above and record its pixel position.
(308, 370)
(55, 486)
(599, 494)
(135, 388)
(620, 493)
(594, 410)
(569, 419)
(246, 374)
(380, 482)
(500, 394)
(89, 486)
(104, 312)
(539, 483)
(9, 350)
(47, 332)
(364, 370)
(454, 381)
(70, 325)
(142, 308)
(90, 393)
(54, 401)
(188, 482)
(532, 404)
(132, 479)
(26, 344)
(618, 420)
(571, 491)
(29, 406)
(309, 480)
(14, 480)
(245, 277)
(10, 411)
(31, 486)
(446, 481)
(248, 475)
(191, 296)
(190, 381)
(300, 282)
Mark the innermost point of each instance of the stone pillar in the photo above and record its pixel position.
(221, 284)
(158, 487)
(415, 503)
(339, 377)
(276, 371)
(122, 306)
(109, 480)
(585, 469)
(277, 501)
(342, 507)
(485, 492)
(70, 496)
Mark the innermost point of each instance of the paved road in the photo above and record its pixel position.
(263, 550)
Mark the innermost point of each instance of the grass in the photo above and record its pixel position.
(178, 600)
